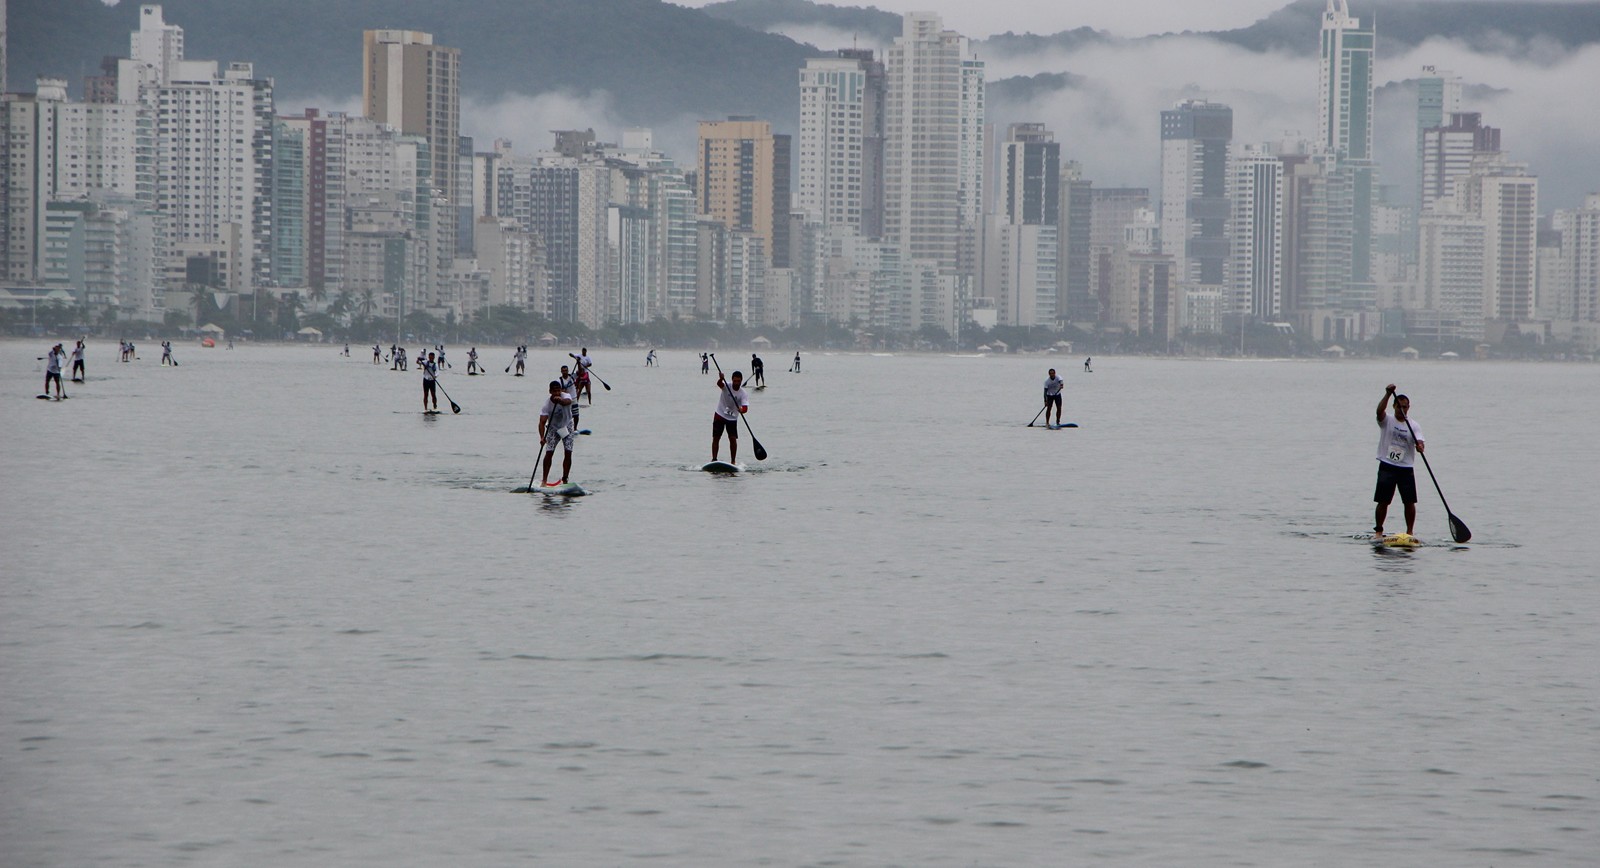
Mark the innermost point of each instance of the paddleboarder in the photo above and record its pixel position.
(584, 363)
(758, 371)
(732, 402)
(472, 361)
(377, 353)
(1399, 443)
(1052, 396)
(650, 359)
(558, 423)
(1086, 368)
(430, 388)
(52, 370)
(569, 387)
(797, 361)
(77, 363)
(166, 354)
(520, 357)
(705, 363)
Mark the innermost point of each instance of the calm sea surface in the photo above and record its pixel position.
(257, 610)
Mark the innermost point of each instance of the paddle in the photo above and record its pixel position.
(1458, 528)
(454, 407)
(1038, 414)
(590, 369)
(761, 453)
(536, 462)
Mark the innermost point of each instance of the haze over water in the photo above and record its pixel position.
(257, 610)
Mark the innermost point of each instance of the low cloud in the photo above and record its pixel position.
(1111, 122)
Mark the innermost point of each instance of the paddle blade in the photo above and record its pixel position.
(1458, 529)
(455, 408)
(761, 452)
(604, 383)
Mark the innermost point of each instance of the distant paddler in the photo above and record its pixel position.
(472, 361)
(584, 363)
(1052, 396)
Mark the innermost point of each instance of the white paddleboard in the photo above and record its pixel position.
(722, 467)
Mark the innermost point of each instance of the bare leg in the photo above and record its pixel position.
(1411, 518)
(733, 448)
(549, 456)
(566, 466)
(1380, 514)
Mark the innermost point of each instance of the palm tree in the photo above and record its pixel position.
(369, 300)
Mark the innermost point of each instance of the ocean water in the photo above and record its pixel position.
(258, 610)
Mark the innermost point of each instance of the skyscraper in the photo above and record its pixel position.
(1447, 154)
(1020, 243)
(1256, 187)
(1195, 210)
(1345, 130)
(744, 180)
(415, 86)
(933, 140)
(840, 143)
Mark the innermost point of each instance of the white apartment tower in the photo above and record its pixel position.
(840, 167)
(1256, 190)
(1345, 116)
(1195, 209)
(933, 141)
(212, 139)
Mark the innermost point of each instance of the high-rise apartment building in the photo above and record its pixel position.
(1448, 152)
(933, 141)
(1438, 97)
(744, 180)
(1020, 243)
(839, 170)
(1075, 297)
(1195, 210)
(211, 135)
(415, 86)
(1256, 190)
(1345, 100)
(1506, 198)
(55, 149)
(1578, 276)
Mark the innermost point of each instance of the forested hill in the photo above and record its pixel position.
(656, 60)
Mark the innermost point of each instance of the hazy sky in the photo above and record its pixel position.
(1124, 17)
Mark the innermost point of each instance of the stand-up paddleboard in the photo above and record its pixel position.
(1398, 541)
(760, 388)
(722, 467)
(51, 398)
(430, 412)
(568, 489)
(1049, 427)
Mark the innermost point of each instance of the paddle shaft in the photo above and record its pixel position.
(1459, 536)
(1038, 414)
(761, 453)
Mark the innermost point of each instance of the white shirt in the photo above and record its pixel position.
(429, 371)
(77, 354)
(560, 416)
(53, 366)
(1053, 385)
(729, 403)
(1394, 443)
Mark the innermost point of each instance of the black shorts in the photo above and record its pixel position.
(1053, 401)
(719, 424)
(1391, 477)
(428, 389)
(56, 375)
(77, 365)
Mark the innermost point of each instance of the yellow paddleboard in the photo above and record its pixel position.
(1399, 541)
